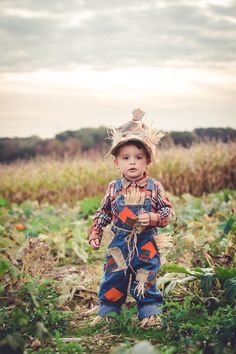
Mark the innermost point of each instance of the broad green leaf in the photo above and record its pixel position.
(198, 269)
(170, 287)
(175, 268)
(88, 206)
(231, 220)
(230, 289)
(4, 267)
(161, 281)
(1, 289)
(225, 273)
(206, 283)
(3, 202)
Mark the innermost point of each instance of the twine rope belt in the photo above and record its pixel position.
(131, 239)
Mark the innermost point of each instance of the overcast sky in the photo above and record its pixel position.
(82, 63)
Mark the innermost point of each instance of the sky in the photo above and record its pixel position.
(70, 64)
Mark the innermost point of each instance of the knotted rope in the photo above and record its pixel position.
(132, 239)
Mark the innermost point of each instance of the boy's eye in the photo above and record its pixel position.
(139, 157)
(125, 158)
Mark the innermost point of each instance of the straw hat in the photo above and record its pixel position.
(135, 129)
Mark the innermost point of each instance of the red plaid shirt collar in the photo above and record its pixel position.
(140, 182)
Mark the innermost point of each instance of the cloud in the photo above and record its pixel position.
(105, 34)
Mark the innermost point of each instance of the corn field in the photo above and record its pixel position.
(203, 168)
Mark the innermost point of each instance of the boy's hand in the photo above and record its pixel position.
(144, 219)
(95, 244)
(94, 241)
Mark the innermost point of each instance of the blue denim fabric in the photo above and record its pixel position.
(149, 310)
(105, 310)
(116, 281)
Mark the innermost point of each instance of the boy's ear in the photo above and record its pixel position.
(116, 162)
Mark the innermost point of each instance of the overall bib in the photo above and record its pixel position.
(132, 258)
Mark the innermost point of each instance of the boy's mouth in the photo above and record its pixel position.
(133, 169)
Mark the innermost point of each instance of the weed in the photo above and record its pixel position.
(88, 206)
(123, 323)
(34, 303)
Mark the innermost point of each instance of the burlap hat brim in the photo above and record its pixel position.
(131, 137)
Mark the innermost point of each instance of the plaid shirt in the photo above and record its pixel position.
(162, 209)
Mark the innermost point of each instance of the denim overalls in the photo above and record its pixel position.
(138, 271)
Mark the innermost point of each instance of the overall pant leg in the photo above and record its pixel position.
(146, 264)
(115, 281)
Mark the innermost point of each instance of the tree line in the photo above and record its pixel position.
(94, 140)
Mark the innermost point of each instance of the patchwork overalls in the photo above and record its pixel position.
(132, 257)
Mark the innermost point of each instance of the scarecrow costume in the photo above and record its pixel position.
(133, 257)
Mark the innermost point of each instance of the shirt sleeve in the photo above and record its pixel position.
(163, 209)
(103, 215)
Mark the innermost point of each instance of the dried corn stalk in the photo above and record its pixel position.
(134, 197)
(164, 242)
(34, 257)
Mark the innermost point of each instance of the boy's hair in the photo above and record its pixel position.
(138, 145)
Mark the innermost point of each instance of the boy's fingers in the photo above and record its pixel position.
(144, 222)
(95, 243)
(144, 217)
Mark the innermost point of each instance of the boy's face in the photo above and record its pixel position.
(131, 161)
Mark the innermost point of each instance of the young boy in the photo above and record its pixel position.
(134, 206)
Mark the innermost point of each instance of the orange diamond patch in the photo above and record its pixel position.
(149, 247)
(127, 216)
(148, 251)
(113, 294)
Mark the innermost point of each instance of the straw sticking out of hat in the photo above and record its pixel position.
(135, 129)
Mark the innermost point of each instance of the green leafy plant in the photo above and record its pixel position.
(188, 325)
(3, 202)
(209, 278)
(36, 303)
(88, 206)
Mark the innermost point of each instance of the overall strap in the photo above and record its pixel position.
(118, 185)
(150, 184)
